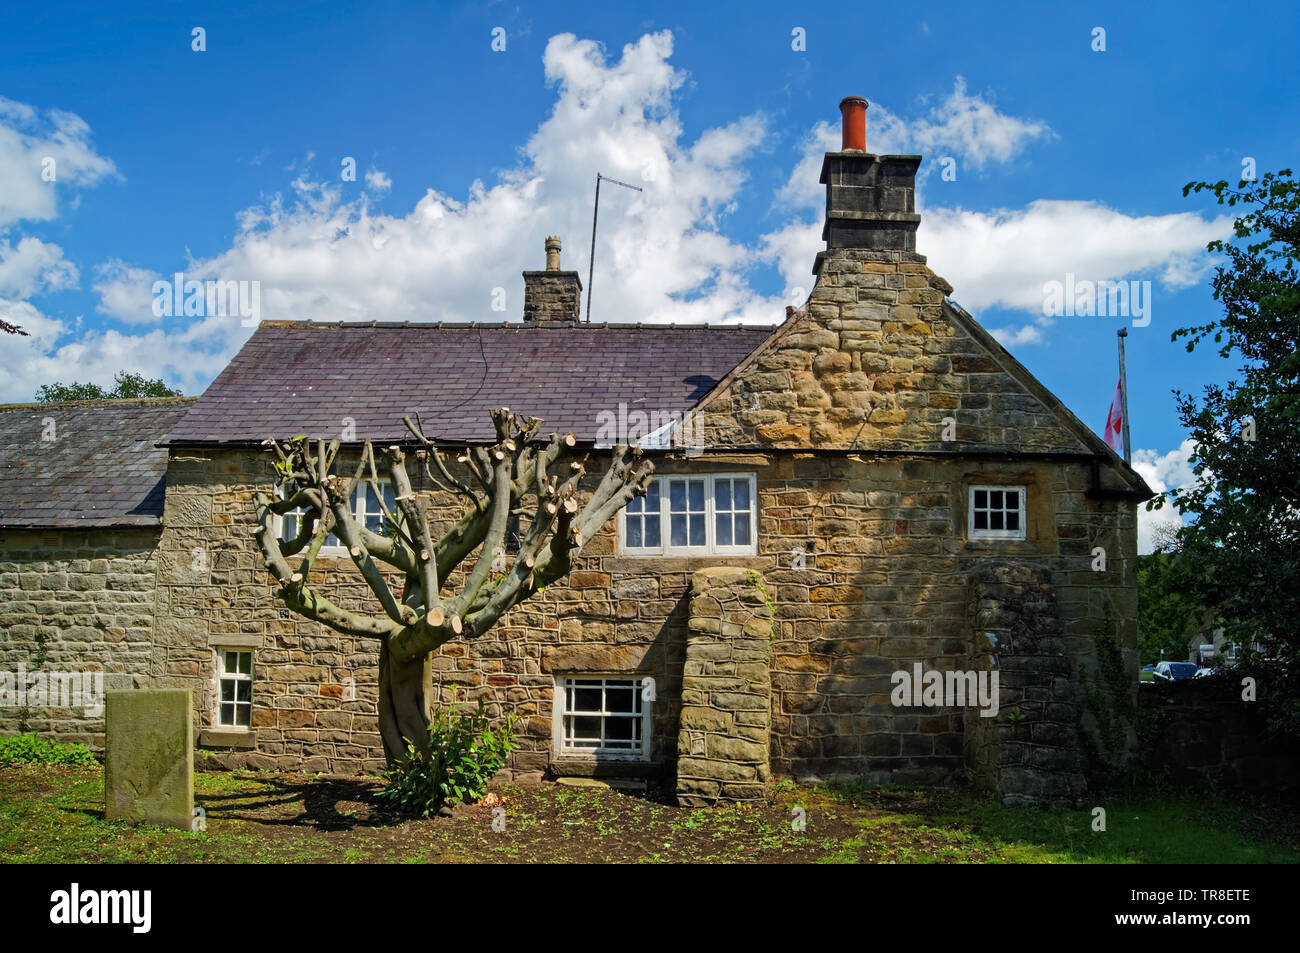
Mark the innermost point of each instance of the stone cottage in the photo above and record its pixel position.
(875, 546)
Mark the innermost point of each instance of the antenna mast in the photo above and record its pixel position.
(591, 265)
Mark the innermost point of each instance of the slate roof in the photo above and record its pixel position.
(103, 468)
(303, 377)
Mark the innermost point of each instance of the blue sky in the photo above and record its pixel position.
(226, 163)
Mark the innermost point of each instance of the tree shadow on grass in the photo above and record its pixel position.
(326, 804)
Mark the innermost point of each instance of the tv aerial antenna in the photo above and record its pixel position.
(591, 265)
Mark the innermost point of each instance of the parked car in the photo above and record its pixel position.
(1146, 674)
(1174, 671)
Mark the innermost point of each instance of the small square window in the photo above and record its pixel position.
(598, 716)
(235, 684)
(997, 512)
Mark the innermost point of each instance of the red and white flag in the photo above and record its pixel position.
(1115, 420)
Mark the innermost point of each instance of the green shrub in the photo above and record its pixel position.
(29, 749)
(465, 751)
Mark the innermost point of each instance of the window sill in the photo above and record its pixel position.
(603, 767)
(227, 738)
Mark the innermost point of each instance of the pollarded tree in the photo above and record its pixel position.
(517, 475)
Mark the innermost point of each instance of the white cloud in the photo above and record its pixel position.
(125, 292)
(1162, 473)
(972, 128)
(28, 138)
(190, 357)
(661, 255)
(34, 266)
(1001, 258)
(966, 127)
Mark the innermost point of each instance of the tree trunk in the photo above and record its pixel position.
(405, 696)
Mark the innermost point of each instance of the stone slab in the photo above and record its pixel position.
(149, 757)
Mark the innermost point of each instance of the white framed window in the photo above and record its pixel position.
(713, 514)
(365, 507)
(602, 716)
(996, 512)
(235, 685)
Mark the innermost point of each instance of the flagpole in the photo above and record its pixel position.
(1123, 394)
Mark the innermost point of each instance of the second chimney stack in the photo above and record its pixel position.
(552, 296)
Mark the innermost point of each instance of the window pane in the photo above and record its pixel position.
(981, 520)
(618, 698)
(722, 494)
(697, 496)
(244, 716)
(619, 729)
(243, 691)
(677, 534)
(246, 663)
(722, 529)
(634, 532)
(652, 529)
(652, 497)
(981, 499)
(586, 731)
(697, 530)
(227, 690)
(227, 714)
(995, 519)
(742, 529)
(636, 504)
(1013, 499)
(677, 496)
(741, 494)
(587, 699)
(1013, 520)
(995, 499)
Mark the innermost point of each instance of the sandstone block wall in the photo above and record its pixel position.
(877, 359)
(723, 751)
(76, 601)
(1032, 752)
(882, 582)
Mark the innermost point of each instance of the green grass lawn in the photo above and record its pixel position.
(55, 815)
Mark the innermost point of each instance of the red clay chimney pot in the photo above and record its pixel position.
(853, 109)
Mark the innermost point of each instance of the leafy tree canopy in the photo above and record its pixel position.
(126, 386)
(1240, 551)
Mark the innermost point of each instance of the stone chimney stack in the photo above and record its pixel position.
(870, 199)
(552, 296)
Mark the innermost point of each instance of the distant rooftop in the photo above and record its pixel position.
(102, 467)
(304, 377)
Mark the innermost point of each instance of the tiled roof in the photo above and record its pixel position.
(299, 377)
(101, 468)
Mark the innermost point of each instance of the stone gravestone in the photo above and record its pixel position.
(149, 757)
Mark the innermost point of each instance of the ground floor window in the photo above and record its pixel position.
(235, 708)
(598, 715)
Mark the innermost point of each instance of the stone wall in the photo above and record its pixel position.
(865, 559)
(1201, 732)
(723, 751)
(76, 601)
(1032, 751)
